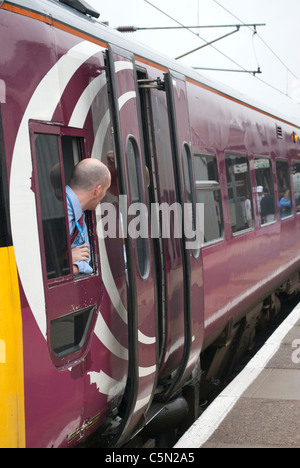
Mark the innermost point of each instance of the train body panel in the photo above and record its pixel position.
(98, 350)
(64, 69)
(242, 267)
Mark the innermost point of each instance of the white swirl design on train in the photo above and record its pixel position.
(22, 199)
(77, 120)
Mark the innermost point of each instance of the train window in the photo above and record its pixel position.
(239, 192)
(284, 188)
(190, 197)
(52, 205)
(71, 151)
(209, 193)
(265, 190)
(69, 333)
(140, 235)
(296, 183)
(55, 157)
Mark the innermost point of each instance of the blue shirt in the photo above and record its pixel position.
(74, 214)
(285, 207)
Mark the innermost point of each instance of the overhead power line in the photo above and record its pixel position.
(270, 49)
(198, 35)
(226, 56)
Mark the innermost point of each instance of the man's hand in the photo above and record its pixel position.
(80, 253)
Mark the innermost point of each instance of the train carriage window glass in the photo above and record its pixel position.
(209, 193)
(296, 183)
(137, 201)
(265, 197)
(190, 221)
(71, 155)
(55, 156)
(284, 188)
(52, 205)
(239, 192)
(69, 333)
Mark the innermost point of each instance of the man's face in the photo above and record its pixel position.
(97, 196)
(103, 191)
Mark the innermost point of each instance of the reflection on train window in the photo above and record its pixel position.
(296, 182)
(137, 196)
(239, 192)
(284, 188)
(49, 151)
(209, 193)
(71, 151)
(52, 205)
(265, 196)
(190, 223)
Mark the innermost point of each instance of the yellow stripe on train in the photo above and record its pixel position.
(12, 414)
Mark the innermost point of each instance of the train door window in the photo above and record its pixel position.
(55, 157)
(209, 193)
(71, 152)
(52, 207)
(137, 199)
(190, 222)
(296, 183)
(265, 196)
(239, 192)
(69, 333)
(284, 188)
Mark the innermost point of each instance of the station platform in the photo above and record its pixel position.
(260, 408)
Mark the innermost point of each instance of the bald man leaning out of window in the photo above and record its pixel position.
(88, 185)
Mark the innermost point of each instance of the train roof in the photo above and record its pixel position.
(67, 15)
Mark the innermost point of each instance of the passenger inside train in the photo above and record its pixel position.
(88, 185)
(285, 205)
(267, 207)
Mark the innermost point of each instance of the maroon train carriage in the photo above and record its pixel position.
(156, 322)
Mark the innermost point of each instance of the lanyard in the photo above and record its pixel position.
(80, 228)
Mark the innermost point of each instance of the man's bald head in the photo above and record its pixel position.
(90, 181)
(89, 173)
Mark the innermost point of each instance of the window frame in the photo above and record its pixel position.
(55, 130)
(262, 225)
(210, 186)
(188, 176)
(287, 162)
(294, 161)
(142, 200)
(229, 154)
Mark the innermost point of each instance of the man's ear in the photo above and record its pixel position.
(97, 191)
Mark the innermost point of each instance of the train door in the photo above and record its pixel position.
(168, 157)
(167, 243)
(190, 245)
(72, 301)
(129, 158)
